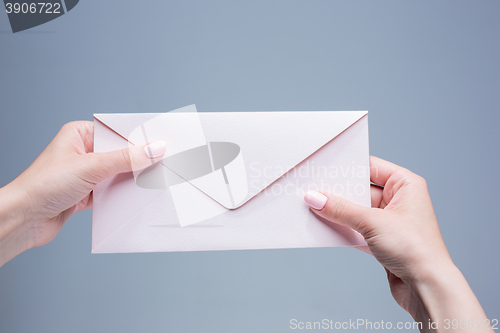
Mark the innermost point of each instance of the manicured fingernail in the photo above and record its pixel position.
(155, 149)
(315, 199)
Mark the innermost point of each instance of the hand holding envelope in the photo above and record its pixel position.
(223, 187)
(236, 181)
(231, 180)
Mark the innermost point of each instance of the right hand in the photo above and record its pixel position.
(401, 231)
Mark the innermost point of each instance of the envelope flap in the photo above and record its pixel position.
(246, 151)
(271, 144)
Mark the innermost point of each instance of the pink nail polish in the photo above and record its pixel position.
(155, 149)
(315, 199)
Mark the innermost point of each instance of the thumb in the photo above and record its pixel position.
(104, 165)
(341, 211)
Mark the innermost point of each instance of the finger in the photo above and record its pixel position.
(340, 210)
(75, 132)
(381, 170)
(376, 194)
(104, 165)
(86, 130)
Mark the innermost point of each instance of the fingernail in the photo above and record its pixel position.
(315, 199)
(155, 149)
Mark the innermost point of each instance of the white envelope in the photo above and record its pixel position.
(230, 180)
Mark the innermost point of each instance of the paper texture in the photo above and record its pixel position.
(229, 180)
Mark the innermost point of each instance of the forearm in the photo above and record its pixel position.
(448, 304)
(15, 232)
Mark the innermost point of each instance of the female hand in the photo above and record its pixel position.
(402, 233)
(59, 183)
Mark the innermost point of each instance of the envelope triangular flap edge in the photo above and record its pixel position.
(280, 140)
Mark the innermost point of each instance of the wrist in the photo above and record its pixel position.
(445, 295)
(15, 229)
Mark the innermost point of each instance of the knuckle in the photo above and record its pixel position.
(421, 180)
(336, 210)
(357, 219)
(411, 176)
(403, 174)
(126, 158)
(102, 168)
(68, 126)
(417, 180)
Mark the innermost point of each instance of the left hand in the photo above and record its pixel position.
(59, 183)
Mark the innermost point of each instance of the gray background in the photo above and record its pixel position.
(427, 71)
